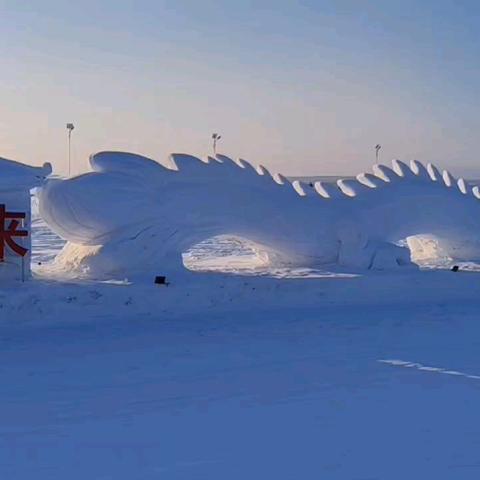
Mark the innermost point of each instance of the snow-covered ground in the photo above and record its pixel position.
(282, 375)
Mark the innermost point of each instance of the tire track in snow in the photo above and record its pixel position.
(426, 368)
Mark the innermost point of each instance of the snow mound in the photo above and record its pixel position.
(15, 175)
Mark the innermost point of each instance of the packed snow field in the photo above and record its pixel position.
(251, 373)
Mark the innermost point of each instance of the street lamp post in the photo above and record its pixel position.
(70, 128)
(377, 148)
(216, 137)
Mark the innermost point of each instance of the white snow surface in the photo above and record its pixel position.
(16, 176)
(235, 376)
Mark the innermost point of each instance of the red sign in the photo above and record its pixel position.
(8, 232)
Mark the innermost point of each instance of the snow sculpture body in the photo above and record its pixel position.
(16, 180)
(131, 214)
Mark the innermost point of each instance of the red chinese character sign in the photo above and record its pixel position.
(16, 183)
(9, 223)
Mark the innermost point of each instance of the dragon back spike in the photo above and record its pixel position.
(448, 179)
(280, 179)
(384, 173)
(419, 170)
(328, 190)
(186, 163)
(299, 188)
(246, 165)
(462, 186)
(402, 169)
(433, 171)
(369, 180)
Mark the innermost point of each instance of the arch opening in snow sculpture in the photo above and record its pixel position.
(133, 215)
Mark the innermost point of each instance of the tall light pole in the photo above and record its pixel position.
(70, 128)
(377, 148)
(216, 137)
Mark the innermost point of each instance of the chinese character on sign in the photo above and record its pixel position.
(7, 232)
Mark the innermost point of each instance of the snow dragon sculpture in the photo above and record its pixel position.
(132, 214)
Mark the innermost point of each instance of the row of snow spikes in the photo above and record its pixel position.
(382, 175)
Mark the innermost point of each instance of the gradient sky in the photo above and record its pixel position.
(304, 87)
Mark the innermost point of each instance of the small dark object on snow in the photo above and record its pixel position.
(455, 268)
(161, 280)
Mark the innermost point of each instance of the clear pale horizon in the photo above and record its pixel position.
(305, 88)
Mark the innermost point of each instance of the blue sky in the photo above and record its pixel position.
(306, 87)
